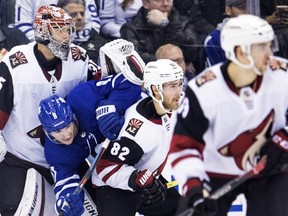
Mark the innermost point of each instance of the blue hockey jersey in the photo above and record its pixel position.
(84, 100)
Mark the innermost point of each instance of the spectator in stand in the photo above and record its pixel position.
(25, 11)
(212, 48)
(10, 37)
(114, 13)
(268, 11)
(91, 41)
(174, 53)
(156, 23)
(192, 10)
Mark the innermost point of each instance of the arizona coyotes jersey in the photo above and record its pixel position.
(23, 84)
(220, 128)
(143, 143)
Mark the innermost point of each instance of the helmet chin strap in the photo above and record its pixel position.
(251, 64)
(160, 102)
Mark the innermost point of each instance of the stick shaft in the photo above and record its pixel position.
(92, 166)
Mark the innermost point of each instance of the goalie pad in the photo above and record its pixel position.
(119, 56)
(38, 198)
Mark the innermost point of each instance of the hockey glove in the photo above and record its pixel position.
(151, 188)
(276, 151)
(70, 205)
(109, 121)
(3, 149)
(195, 198)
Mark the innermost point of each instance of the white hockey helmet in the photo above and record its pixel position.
(49, 18)
(244, 30)
(119, 56)
(159, 72)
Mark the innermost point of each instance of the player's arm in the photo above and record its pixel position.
(107, 18)
(66, 181)
(116, 169)
(91, 14)
(116, 165)
(6, 94)
(119, 94)
(186, 150)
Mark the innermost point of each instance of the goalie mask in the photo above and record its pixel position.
(119, 56)
(244, 31)
(54, 28)
(54, 115)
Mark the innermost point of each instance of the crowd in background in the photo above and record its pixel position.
(100, 21)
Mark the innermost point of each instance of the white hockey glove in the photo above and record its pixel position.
(3, 149)
(158, 18)
(119, 56)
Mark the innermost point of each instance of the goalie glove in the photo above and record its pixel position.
(70, 205)
(276, 151)
(151, 188)
(119, 56)
(3, 149)
(109, 121)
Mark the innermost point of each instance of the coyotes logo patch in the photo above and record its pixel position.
(133, 126)
(17, 59)
(204, 78)
(77, 54)
(276, 64)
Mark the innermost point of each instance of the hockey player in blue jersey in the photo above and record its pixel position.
(76, 125)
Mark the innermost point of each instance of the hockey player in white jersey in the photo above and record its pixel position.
(29, 73)
(233, 115)
(26, 10)
(129, 174)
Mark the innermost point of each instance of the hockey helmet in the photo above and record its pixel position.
(159, 72)
(244, 30)
(52, 18)
(54, 114)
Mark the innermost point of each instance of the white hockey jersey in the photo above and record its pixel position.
(24, 84)
(220, 128)
(143, 143)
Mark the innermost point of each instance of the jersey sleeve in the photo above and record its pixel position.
(24, 17)
(91, 14)
(64, 172)
(108, 20)
(120, 92)
(116, 165)
(187, 142)
(6, 94)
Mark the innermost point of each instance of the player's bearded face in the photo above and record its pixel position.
(261, 54)
(172, 93)
(65, 135)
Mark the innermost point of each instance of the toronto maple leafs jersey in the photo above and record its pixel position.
(143, 143)
(113, 16)
(84, 99)
(220, 128)
(25, 12)
(23, 83)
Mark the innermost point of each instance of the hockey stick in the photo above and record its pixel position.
(231, 185)
(88, 173)
(92, 166)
